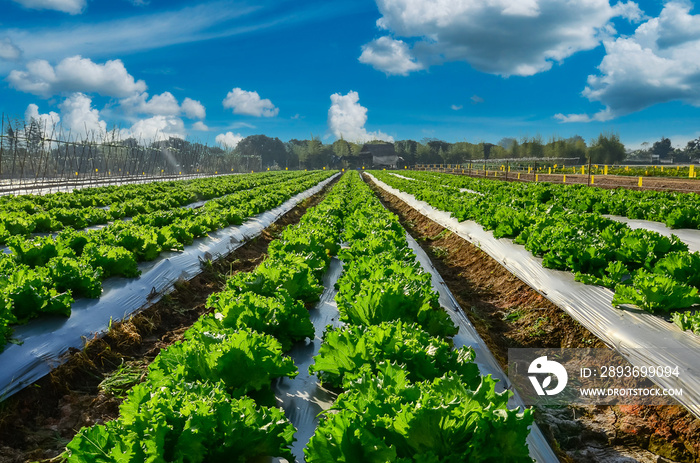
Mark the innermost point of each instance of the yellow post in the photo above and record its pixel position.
(495, 173)
(550, 170)
(691, 171)
(537, 177)
(529, 169)
(592, 179)
(640, 181)
(518, 175)
(563, 180)
(662, 168)
(286, 168)
(605, 170)
(583, 169)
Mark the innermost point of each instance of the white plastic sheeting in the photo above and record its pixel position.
(688, 236)
(303, 397)
(463, 190)
(643, 338)
(46, 340)
(540, 450)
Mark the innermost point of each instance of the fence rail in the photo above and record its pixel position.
(35, 158)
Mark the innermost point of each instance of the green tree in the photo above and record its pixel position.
(271, 150)
(407, 150)
(607, 149)
(662, 148)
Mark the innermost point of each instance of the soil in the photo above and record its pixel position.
(507, 313)
(37, 422)
(601, 181)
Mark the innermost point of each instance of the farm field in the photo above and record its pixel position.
(615, 178)
(41, 274)
(385, 231)
(341, 294)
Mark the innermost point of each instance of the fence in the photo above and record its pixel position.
(37, 159)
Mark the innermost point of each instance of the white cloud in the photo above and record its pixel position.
(8, 50)
(476, 99)
(347, 118)
(48, 123)
(156, 128)
(164, 104)
(76, 74)
(81, 119)
(455, 107)
(193, 109)
(229, 139)
(249, 103)
(660, 62)
(199, 125)
(497, 36)
(389, 56)
(66, 6)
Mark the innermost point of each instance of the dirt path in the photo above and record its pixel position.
(37, 423)
(509, 314)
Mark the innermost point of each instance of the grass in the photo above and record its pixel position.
(124, 378)
(513, 315)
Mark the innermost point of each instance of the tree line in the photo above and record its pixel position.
(605, 149)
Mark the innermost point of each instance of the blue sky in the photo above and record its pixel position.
(392, 69)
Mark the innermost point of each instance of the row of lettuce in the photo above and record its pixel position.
(407, 396)
(27, 214)
(42, 275)
(673, 208)
(643, 268)
(208, 398)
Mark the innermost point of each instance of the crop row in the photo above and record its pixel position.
(206, 398)
(407, 396)
(22, 215)
(43, 275)
(675, 209)
(644, 268)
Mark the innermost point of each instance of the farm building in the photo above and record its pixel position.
(382, 154)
